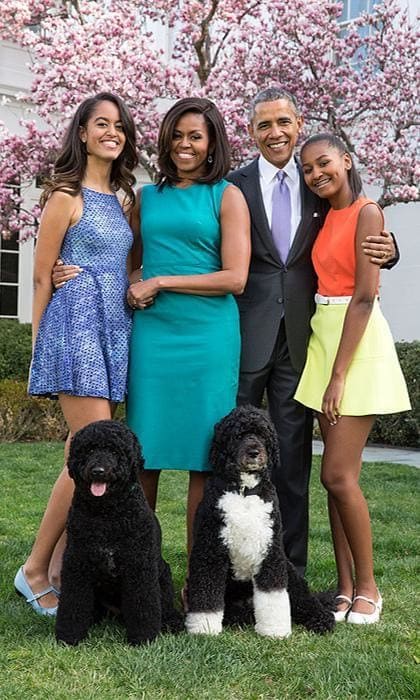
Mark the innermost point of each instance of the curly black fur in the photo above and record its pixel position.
(113, 554)
(212, 586)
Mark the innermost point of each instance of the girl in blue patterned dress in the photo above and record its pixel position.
(81, 332)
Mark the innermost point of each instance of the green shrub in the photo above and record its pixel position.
(15, 349)
(25, 418)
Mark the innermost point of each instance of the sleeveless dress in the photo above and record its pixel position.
(184, 352)
(374, 381)
(82, 343)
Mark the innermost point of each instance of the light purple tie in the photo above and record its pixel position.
(281, 222)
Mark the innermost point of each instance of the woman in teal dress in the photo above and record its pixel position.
(193, 239)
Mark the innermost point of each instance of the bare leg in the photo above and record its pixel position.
(350, 522)
(342, 551)
(196, 486)
(56, 561)
(149, 479)
(78, 412)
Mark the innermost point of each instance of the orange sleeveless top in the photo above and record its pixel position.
(334, 251)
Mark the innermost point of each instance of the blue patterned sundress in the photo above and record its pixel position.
(82, 343)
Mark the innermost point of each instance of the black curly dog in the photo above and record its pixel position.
(113, 554)
(238, 552)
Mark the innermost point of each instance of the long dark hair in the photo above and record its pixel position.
(70, 165)
(219, 145)
(355, 181)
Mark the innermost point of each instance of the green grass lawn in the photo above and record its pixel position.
(352, 662)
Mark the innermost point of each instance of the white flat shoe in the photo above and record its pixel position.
(357, 618)
(340, 615)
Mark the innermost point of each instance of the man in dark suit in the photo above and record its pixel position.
(278, 302)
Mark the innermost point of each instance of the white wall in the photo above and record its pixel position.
(400, 293)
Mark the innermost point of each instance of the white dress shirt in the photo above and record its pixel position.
(268, 178)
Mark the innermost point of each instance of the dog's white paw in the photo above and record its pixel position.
(272, 613)
(204, 622)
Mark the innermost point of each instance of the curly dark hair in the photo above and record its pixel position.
(219, 144)
(70, 164)
(228, 432)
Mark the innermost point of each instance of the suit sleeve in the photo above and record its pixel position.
(389, 265)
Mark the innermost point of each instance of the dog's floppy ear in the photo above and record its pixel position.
(80, 445)
(136, 455)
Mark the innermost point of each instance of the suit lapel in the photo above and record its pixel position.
(252, 191)
(309, 222)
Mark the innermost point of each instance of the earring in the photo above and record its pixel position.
(210, 158)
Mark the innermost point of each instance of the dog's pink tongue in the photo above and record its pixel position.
(97, 488)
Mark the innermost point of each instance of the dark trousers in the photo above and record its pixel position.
(293, 423)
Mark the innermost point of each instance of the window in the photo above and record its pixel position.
(351, 10)
(9, 272)
(9, 276)
(354, 8)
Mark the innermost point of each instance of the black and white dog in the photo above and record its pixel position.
(238, 542)
(113, 556)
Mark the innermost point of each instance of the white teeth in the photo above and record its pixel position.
(185, 156)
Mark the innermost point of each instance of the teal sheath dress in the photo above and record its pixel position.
(184, 353)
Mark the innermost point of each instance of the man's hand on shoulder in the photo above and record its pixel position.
(381, 249)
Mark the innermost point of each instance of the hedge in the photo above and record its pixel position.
(15, 349)
(25, 418)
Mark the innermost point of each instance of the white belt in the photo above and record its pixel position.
(320, 299)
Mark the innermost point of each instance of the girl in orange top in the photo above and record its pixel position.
(352, 371)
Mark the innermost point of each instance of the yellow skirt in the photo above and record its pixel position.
(374, 381)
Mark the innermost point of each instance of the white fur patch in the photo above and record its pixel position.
(247, 533)
(249, 480)
(272, 613)
(204, 622)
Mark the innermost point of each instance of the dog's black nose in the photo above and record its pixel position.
(253, 452)
(97, 472)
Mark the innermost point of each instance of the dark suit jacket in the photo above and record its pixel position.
(273, 289)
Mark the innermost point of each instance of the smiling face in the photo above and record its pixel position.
(326, 172)
(275, 127)
(190, 146)
(104, 133)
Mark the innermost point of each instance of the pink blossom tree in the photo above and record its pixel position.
(358, 79)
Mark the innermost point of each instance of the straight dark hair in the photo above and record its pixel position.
(219, 147)
(355, 181)
(70, 165)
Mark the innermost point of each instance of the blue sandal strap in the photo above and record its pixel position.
(37, 596)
